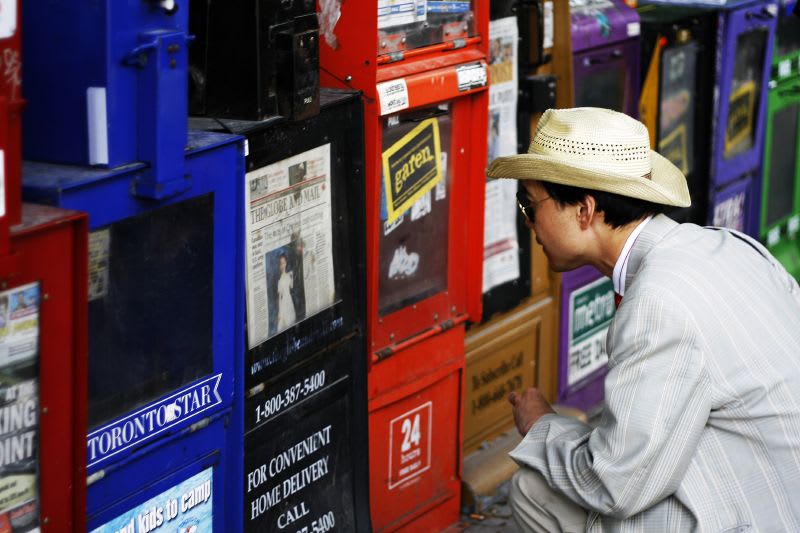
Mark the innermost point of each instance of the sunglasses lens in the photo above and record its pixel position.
(525, 206)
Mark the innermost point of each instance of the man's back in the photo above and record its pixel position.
(719, 326)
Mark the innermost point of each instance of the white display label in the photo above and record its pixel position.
(397, 12)
(440, 191)
(99, 262)
(591, 309)
(410, 444)
(8, 18)
(421, 207)
(773, 236)
(794, 225)
(471, 76)
(784, 68)
(633, 29)
(730, 213)
(547, 38)
(96, 117)
(393, 96)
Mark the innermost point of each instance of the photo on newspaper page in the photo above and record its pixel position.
(289, 243)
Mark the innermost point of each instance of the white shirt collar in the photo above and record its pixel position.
(621, 266)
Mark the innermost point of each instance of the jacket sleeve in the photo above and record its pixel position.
(657, 401)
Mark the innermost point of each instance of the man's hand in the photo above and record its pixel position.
(528, 408)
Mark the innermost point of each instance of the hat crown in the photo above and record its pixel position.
(602, 138)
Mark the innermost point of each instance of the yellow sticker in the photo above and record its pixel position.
(412, 167)
(648, 99)
(741, 110)
(673, 147)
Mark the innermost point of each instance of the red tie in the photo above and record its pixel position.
(617, 299)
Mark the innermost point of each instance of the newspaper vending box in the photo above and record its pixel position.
(742, 73)
(422, 69)
(165, 312)
(780, 207)
(302, 382)
(605, 46)
(677, 51)
(43, 371)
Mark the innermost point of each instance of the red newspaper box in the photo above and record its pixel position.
(415, 438)
(421, 66)
(43, 387)
(425, 141)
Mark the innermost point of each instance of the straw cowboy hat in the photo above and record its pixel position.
(596, 149)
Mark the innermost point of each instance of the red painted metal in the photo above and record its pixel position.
(417, 488)
(11, 104)
(416, 353)
(349, 58)
(465, 248)
(50, 247)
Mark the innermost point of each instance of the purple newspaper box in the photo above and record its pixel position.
(605, 47)
(736, 205)
(746, 34)
(587, 307)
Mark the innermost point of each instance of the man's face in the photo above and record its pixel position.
(556, 228)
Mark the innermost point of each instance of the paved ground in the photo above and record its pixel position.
(497, 517)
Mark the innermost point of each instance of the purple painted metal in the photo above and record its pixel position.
(605, 37)
(741, 95)
(600, 22)
(588, 391)
(737, 205)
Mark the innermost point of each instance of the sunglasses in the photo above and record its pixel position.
(527, 207)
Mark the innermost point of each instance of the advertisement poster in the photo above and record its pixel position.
(185, 508)
(591, 309)
(500, 239)
(412, 167)
(289, 244)
(676, 110)
(411, 264)
(741, 114)
(19, 407)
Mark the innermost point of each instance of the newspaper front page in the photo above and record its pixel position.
(19, 407)
(500, 244)
(289, 252)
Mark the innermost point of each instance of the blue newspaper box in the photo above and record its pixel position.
(164, 487)
(106, 84)
(166, 315)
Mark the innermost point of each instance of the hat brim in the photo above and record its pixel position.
(666, 185)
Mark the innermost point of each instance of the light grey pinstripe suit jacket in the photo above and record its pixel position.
(701, 428)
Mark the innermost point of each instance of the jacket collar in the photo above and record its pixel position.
(653, 232)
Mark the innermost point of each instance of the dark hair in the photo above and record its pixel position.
(618, 210)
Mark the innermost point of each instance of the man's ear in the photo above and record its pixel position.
(587, 211)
